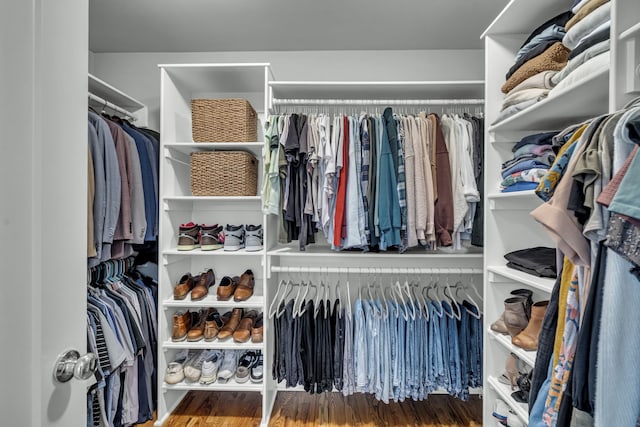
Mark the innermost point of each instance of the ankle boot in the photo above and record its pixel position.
(527, 294)
(528, 339)
(515, 315)
(499, 326)
(229, 328)
(181, 325)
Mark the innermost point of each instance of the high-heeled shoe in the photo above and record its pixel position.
(511, 371)
(515, 315)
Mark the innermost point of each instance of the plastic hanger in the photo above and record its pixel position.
(455, 307)
(338, 299)
(438, 305)
(273, 307)
(288, 289)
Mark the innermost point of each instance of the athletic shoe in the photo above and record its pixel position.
(188, 237)
(254, 240)
(210, 367)
(245, 363)
(193, 368)
(175, 370)
(228, 367)
(211, 237)
(234, 237)
(257, 369)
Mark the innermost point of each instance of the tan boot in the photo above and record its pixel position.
(181, 324)
(229, 328)
(528, 339)
(515, 315)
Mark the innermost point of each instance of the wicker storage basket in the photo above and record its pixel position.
(223, 120)
(224, 173)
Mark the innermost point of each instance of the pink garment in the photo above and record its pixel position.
(606, 196)
(123, 226)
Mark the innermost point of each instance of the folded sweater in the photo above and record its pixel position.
(538, 81)
(530, 55)
(583, 28)
(523, 95)
(576, 62)
(591, 67)
(604, 33)
(551, 33)
(554, 58)
(588, 7)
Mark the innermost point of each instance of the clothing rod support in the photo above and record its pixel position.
(374, 270)
(112, 106)
(276, 101)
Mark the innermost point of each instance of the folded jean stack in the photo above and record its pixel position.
(533, 155)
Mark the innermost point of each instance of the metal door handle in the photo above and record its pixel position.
(71, 365)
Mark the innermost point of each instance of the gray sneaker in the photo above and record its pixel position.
(228, 368)
(210, 367)
(253, 237)
(193, 368)
(233, 237)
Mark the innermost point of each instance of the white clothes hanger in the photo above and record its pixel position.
(273, 308)
(288, 289)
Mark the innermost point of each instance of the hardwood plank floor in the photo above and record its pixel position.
(299, 409)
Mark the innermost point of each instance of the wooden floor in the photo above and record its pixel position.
(242, 409)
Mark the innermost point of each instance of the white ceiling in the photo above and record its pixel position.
(257, 25)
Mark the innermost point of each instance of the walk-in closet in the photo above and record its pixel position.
(320, 213)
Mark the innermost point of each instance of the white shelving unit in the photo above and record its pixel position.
(105, 94)
(179, 84)
(508, 225)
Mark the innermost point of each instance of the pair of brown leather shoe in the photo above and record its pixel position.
(241, 325)
(198, 286)
(182, 323)
(196, 325)
(241, 288)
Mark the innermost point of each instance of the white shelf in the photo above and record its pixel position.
(218, 252)
(325, 251)
(228, 344)
(212, 198)
(540, 283)
(504, 391)
(515, 200)
(218, 78)
(528, 357)
(584, 100)
(105, 91)
(378, 89)
(189, 147)
(256, 301)
(232, 385)
(520, 16)
(630, 32)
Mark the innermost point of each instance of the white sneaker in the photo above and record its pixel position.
(513, 420)
(175, 370)
(210, 367)
(501, 411)
(234, 236)
(193, 369)
(228, 367)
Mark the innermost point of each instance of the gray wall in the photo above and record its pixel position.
(137, 73)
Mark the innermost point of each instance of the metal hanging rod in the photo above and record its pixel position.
(277, 101)
(112, 106)
(375, 270)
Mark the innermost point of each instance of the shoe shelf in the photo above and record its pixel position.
(528, 357)
(214, 345)
(501, 274)
(256, 301)
(217, 252)
(504, 392)
(231, 385)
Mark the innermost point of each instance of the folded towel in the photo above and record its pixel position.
(523, 95)
(588, 7)
(590, 22)
(554, 58)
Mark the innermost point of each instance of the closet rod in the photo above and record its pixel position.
(375, 270)
(277, 101)
(112, 106)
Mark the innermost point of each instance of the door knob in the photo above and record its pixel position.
(71, 365)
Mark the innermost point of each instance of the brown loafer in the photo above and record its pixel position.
(201, 289)
(243, 331)
(197, 327)
(245, 287)
(212, 324)
(181, 325)
(183, 287)
(257, 331)
(226, 288)
(229, 327)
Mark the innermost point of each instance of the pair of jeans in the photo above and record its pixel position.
(360, 348)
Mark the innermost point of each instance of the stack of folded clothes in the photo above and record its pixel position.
(538, 261)
(587, 36)
(533, 155)
(540, 57)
